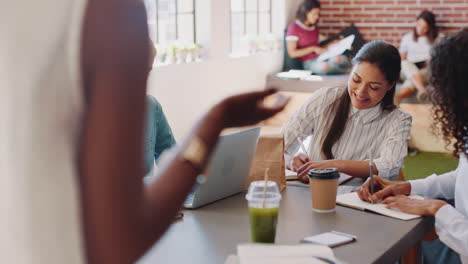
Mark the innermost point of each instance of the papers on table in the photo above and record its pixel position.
(299, 75)
(352, 200)
(337, 48)
(280, 254)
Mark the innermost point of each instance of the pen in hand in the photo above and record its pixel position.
(371, 174)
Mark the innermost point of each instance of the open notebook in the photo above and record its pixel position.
(280, 254)
(352, 200)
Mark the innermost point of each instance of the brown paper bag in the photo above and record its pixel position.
(269, 154)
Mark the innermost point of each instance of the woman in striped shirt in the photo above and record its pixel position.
(350, 125)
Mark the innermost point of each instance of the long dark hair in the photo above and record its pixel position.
(433, 32)
(304, 9)
(387, 58)
(450, 96)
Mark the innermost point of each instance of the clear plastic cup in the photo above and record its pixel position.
(263, 210)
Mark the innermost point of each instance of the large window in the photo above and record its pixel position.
(172, 24)
(251, 24)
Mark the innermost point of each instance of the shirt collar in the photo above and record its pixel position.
(299, 23)
(367, 115)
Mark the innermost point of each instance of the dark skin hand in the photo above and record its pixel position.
(122, 218)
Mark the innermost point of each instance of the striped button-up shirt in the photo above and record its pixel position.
(380, 132)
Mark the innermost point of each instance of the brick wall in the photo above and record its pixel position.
(389, 19)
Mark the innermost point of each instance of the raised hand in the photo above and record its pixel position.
(249, 108)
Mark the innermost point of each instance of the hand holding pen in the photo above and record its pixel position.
(382, 189)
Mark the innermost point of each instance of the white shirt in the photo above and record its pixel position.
(451, 223)
(419, 50)
(384, 133)
(41, 109)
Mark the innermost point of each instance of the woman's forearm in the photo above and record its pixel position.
(177, 177)
(355, 168)
(295, 52)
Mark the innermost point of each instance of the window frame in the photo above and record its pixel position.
(176, 13)
(244, 12)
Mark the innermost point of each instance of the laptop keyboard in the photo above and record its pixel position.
(189, 199)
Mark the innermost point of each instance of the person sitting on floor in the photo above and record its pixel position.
(302, 39)
(414, 49)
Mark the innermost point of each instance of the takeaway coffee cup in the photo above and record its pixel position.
(323, 187)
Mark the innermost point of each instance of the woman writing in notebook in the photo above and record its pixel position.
(349, 124)
(302, 38)
(449, 78)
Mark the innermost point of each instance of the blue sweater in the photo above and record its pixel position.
(158, 134)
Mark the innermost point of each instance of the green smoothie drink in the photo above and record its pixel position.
(263, 210)
(263, 224)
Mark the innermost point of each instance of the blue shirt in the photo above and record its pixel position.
(158, 133)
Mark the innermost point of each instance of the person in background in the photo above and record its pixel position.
(302, 39)
(158, 137)
(71, 152)
(350, 124)
(415, 53)
(158, 133)
(449, 76)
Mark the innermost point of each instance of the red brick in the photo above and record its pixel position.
(452, 15)
(329, 8)
(372, 8)
(399, 9)
(389, 14)
(406, 2)
(341, 15)
(407, 15)
(341, 2)
(378, 2)
(352, 9)
(416, 9)
(427, 2)
(363, 15)
(363, 2)
(462, 21)
(455, 1)
(372, 20)
(331, 21)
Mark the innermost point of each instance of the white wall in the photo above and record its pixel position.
(186, 91)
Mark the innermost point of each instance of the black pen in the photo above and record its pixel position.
(371, 174)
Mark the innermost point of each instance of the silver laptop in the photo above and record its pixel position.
(228, 169)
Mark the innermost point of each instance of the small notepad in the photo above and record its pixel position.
(280, 254)
(352, 200)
